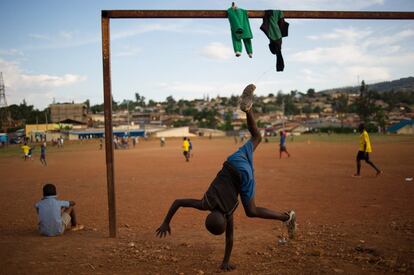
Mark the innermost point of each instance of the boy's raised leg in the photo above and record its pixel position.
(246, 104)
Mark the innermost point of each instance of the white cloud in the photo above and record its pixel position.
(388, 40)
(57, 37)
(371, 73)
(39, 36)
(69, 39)
(405, 33)
(217, 50)
(11, 52)
(184, 27)
(66, 35)
(49, 81)
(36, 87)
(339, 55)
(313, 77)
(190, 89)
(368, 53)
(348, 34)
(354, 54)
(62, 39)
(127, 51)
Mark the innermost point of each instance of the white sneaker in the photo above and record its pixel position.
(291, 224)
(246, 99)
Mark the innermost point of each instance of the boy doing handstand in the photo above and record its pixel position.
(236, 177)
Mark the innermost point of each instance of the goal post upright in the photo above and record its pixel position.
(109, 145)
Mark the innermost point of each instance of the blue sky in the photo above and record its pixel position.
(52, 50)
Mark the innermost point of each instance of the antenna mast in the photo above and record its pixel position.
(5, 119)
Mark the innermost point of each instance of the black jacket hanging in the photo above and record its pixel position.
(275, 27)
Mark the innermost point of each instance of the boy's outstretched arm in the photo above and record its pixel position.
(165, 226)
(226, 265)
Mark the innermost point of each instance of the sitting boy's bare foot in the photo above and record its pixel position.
(77, 227)
(246, 99)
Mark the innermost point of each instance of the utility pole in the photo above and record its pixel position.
(47, 124)
(283, 116)
(5, 117)
(128, 117)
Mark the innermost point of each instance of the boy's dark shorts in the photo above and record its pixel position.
(223, 192)
(362, 155)
(282, 148)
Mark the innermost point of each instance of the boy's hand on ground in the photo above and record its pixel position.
(227, 267)
(162, 230)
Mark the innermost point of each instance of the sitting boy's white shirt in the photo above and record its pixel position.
(50, 215)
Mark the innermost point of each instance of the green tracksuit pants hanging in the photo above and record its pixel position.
(240, 30)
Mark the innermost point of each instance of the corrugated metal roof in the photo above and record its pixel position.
(394, 128)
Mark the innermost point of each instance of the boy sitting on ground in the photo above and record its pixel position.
(55, 216)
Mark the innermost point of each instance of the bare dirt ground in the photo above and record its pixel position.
(346, 225)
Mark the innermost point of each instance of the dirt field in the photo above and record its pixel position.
(346, 225)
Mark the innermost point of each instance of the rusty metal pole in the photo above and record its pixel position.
(109, 145)
(297, 14)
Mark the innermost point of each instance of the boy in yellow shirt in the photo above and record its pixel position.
(364, 150)
(26, 151)
(186, 149)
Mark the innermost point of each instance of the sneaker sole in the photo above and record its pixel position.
(246, 99)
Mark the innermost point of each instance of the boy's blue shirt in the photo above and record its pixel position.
(242, 160)
(50, 215)
(282, 140)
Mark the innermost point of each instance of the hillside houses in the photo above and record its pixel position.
(310, 111)
(295, 112)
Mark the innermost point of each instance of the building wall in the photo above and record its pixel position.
(40, 128)
(59, 112)
(54, 136)
(213, 132)
(175, 132)
(406, 130)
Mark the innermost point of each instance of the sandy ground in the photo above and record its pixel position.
(346, 225)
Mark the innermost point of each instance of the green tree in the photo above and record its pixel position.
(279, 98)
(365, 106)
(170, 108)
(207, 118)
(140, 100)
(381, 118)
(233, 101)
(114, 105)
(289, 106)
(152, 103)
(190, 111)
(317, 110)
(228, 118)
(88, 104)
(98, 108)
(307, 109)
(340, 106)
(311, 92)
